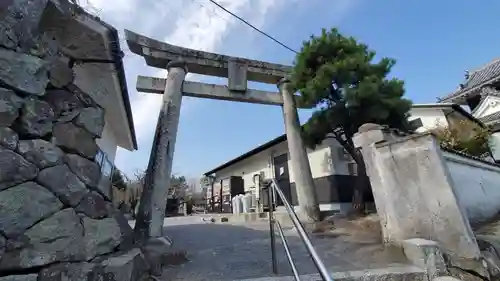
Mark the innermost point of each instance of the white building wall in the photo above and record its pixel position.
(337, 158)
(320, 161)
(324, 161)
(107, 142)
(477, 186)
(247, 168)
(431, 118)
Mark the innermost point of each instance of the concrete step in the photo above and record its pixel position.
(402, 273)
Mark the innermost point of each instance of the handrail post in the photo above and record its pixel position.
(320, 266)
(271, 229)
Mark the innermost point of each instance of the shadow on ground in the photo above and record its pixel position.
(223, 251)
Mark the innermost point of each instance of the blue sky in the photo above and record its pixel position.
(434, 42)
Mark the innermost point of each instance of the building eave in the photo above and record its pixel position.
(118, 58)
(462, 94)
(455, 107)
(116, 54)
(248, 154)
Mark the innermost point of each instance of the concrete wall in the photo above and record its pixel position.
(495, 145)
(325, 160)
(415, 192)
(247, 168)
(476, 184)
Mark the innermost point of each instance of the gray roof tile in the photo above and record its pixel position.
(478, 78)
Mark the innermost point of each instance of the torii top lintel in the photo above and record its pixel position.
(159, 54)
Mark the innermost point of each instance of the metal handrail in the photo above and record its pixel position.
(320, 266)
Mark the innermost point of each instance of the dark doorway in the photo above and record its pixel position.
(282, 177)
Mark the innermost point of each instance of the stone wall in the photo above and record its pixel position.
(55, 222)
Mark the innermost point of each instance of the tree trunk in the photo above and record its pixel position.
(362, 182)
(358, 204)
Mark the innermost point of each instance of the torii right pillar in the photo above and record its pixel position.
(301, 169)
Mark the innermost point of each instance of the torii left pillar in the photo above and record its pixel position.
(160, 165)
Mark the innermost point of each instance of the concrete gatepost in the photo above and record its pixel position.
(414, 194)
(301, 169)
(427, 255)
(163, 153)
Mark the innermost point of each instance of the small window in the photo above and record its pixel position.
(99, 157)
(106, 174)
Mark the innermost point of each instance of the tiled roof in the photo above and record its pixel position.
(479, 77)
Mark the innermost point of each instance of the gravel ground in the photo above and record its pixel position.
(226, 251)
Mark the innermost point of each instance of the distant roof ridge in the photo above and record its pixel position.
(496, 60)
(480, 77)
(433, 104)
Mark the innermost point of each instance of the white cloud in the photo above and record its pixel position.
(196, 24)
(197, 27)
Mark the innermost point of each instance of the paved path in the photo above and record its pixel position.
(225, 251)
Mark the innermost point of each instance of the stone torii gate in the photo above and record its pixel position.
(178, 61)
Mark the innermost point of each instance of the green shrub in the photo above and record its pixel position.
(466, 137)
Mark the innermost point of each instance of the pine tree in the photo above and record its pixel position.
(337, 75)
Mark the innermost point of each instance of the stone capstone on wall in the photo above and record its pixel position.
(56, 221)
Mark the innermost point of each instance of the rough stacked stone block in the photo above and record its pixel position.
(55, 222)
